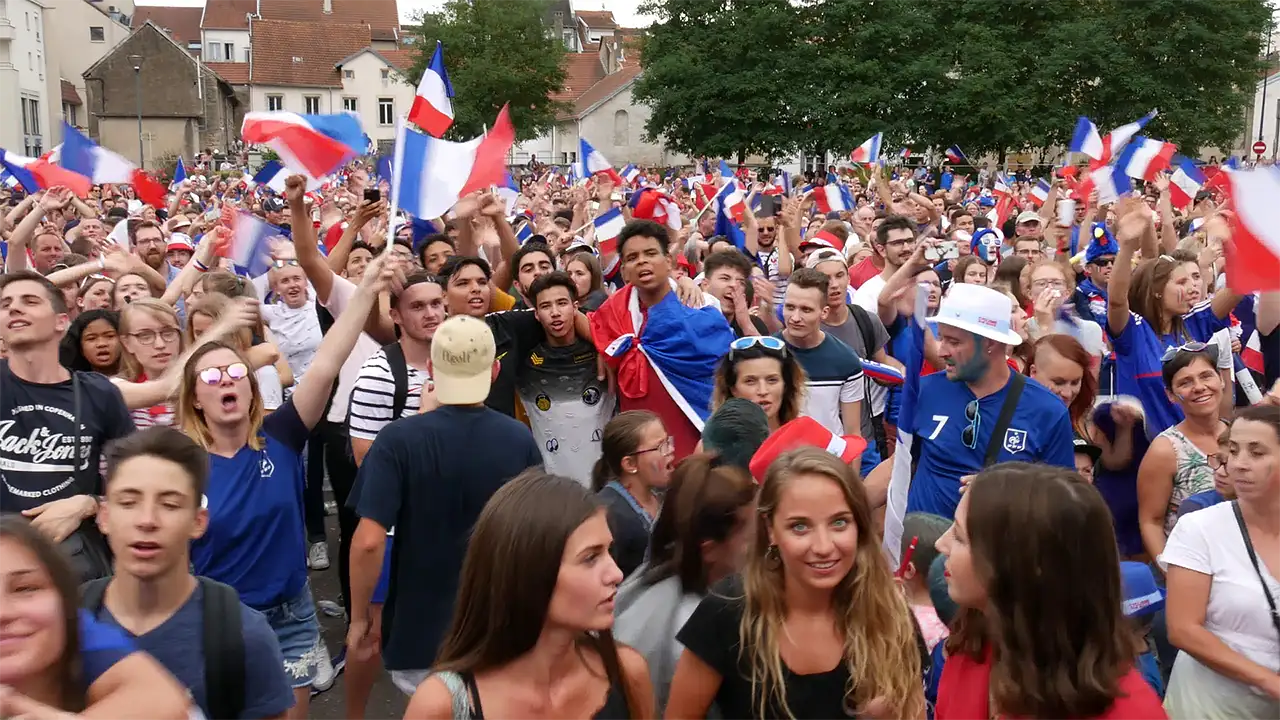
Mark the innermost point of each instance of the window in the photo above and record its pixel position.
(386, 111)
(349, 104)
(69, 114)
(229, 52)
(97, 34)
(31, 61)
(348, 74)
(32, 142)
(311, 104)
(214, 53)
(275, 103)
(385, 73)
(246, 54)
(621, 129)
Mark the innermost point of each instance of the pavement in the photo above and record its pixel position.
(386, 701)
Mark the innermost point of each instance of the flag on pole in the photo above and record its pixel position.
(1085, 139)
(313, 145)
(1040, 193)
(608, 226)
(1254, 263)
(1187, 180)
(955, 156)
(593, 162)
(432, 109)
(1143, 158)
(431, 175)
(869, 151)
(179, 174)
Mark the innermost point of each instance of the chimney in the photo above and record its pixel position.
(328, 7)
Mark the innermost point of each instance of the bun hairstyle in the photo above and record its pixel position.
(621, 437)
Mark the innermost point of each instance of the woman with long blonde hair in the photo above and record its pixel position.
(265, 358)
(816, 626)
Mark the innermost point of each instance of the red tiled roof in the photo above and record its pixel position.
(597, 19)
(604, 89)
(69, 94)
(581, 71)
(303, 53)
(381, 15)
(227, 14)
(402, 59)
(235, 73)
(182, 23)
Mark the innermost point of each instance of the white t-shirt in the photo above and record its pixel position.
(296, 331)
(270, 386)
(339, 297)
(1208, 541)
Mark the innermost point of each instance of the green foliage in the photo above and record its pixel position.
(774, 76)
(496, 52)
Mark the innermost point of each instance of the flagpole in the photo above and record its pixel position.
(397, 161)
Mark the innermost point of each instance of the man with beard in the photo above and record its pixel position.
(147, 240)
(776, 259)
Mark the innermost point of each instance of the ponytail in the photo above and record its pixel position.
(621, 437)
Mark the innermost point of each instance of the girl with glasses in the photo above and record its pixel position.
(636, 455)
(1052, 286)
(759, 369)
(255, 540)
(1176, 465)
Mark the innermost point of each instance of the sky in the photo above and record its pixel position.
(624, 11)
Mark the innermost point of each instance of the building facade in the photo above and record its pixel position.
(27, 91)
(80, 34)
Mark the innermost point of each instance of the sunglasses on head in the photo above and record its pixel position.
(281, 264)
(214, 375)
(765, 342)
(1192, 347)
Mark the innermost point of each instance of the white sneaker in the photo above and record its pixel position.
(325, 674)
(318, 556)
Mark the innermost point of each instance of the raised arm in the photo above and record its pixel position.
(200, 263)
(304, 240)
(1168, 233)
(1129, 231)
(1226, 299)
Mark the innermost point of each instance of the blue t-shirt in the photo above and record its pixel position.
(1199, 501)
(1040, 431)
(428, 476)
(178, 645)
(1138, 352)
(834, 374)
(101, 647)
(256, 542)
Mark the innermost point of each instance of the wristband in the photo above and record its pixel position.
(199, 265)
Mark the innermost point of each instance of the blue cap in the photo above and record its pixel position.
(1141, 594)
(1101, 243)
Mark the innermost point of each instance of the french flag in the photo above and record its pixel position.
(904, 153)
(82, 156)
(653, 204)
(8, 180)
(314, 145)
(779, 184)
(20, 168)
(608, 226)
(1086, 139)
(179, 174)
(1117, 139)
(1040, 193)
(593, 162)
(869, 151)
(1187, 180)
(732, 200)
(250, 249)
(726, 173)
(432, 109)
(883, 374)
(36, 174)
(1254, 264)
(1001, 187)
(1143, 158)
(431, 175)
(832, 197)
(509, 193)
(524, 233)
(630, 173)
(955, 156)
(272, 175)
(1108, 180)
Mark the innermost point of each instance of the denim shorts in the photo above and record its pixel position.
(384, 580)
(298, 632)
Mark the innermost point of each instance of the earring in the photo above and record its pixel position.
(772, 557)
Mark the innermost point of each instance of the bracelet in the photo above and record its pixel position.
(199, 265)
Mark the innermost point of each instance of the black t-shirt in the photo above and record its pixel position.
(761, 328)
(711, 633)
(429, 476)
(514, 332)
(629, 528)
(36, 440)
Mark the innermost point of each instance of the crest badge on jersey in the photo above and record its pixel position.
(1015, 441)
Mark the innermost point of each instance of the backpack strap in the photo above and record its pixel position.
(1006, 417)
(400, 376)
(92, 593)
(224, 670)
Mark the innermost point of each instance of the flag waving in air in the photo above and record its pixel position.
(314, 145)
(1254, 263)
(593, 162)
(432, 109)
(430, 175)
(955, 156)
(82, 156)
(869, 151)
(1186, 181)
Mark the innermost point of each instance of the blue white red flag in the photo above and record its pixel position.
(313, 145)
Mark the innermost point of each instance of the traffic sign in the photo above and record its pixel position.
(1259, 148)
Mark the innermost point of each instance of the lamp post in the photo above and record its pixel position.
(137, 91)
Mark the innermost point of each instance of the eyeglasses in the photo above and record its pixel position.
(214, 375)
(1104, 262)
(1042, 284)
(970, 434)
(146, 337)
(280, 264)
(1191, 347)
(1216, 462)
(666, 447)
(768, 343)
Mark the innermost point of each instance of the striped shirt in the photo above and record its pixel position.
(373, 396)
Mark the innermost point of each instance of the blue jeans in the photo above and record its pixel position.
(298, 632)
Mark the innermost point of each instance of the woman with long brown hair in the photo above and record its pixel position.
(816, 626)
(1041, 632)
(542, 539)
(764, 371)
(699, 539)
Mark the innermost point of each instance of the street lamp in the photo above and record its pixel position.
(137, 91)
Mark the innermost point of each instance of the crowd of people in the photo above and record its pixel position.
(912, 458)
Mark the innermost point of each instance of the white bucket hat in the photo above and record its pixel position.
(980, 310)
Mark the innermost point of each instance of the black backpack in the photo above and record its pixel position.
(223, 636)
(400, 377)
(863, 320)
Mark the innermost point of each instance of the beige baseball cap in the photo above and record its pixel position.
(462, 354)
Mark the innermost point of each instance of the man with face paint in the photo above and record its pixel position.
(955, 422)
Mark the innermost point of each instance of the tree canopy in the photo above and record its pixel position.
(496, 52)
(724, 77)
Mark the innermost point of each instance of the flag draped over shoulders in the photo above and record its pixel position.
(683, 345)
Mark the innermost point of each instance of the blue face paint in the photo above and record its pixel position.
(975, 367)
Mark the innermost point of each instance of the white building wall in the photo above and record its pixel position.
(214, 42)
(72, 48)
(24, 78)
(1265, 116)
(368, 87)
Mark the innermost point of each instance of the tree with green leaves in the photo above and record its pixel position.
(716, 77)
(496, 52)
